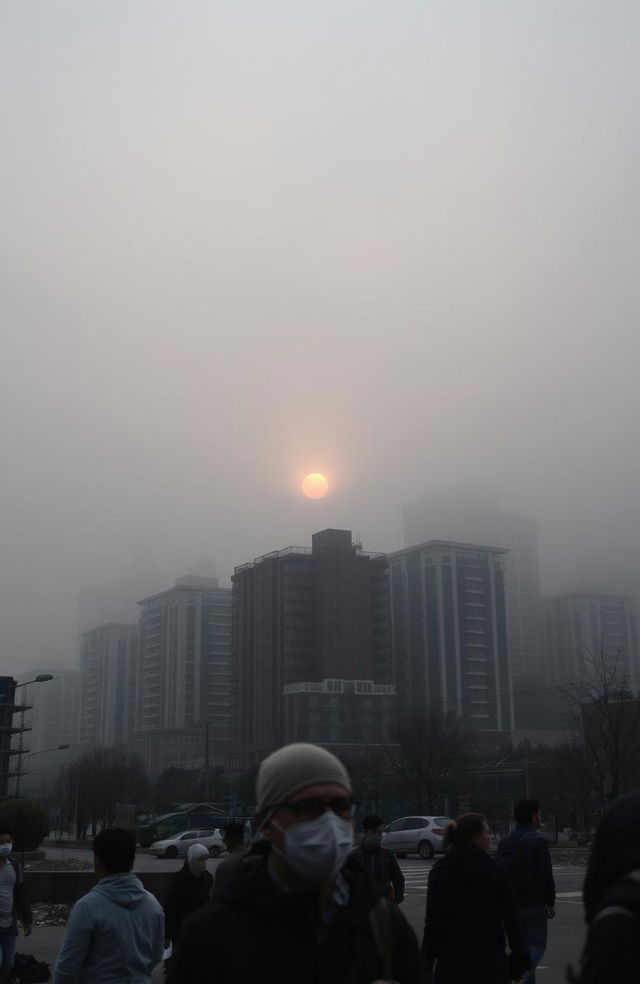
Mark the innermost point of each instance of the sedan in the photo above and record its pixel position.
(415, 835)
(178, 845)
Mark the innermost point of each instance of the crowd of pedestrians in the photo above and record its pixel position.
(304, 904)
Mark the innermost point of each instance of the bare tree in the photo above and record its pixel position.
(606, 721)
(90, 787)
(429, 747)
(563, 783)
(374, 775)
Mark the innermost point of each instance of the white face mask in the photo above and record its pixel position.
(317, 849)
(5, 850)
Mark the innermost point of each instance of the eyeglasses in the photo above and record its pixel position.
(311, 809)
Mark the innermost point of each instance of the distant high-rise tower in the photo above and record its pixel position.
(108, 684)
(184, 681)
(465, 516)
(311, 644)
(449, 633)
(584, 626)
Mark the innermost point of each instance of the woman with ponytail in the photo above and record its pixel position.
(471, 912)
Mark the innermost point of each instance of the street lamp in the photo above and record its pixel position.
(40, 678)
(41, 751)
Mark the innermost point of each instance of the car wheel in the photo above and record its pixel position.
(214, 851)
(171, 852)
(425, 850)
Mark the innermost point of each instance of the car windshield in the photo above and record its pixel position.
(441, 822)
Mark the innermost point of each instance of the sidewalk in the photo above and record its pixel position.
(45, 942)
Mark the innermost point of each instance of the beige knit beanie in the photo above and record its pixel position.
(291, 768)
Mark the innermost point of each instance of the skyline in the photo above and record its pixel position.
(391, 243)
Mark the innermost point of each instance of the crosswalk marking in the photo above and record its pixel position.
(416, 877)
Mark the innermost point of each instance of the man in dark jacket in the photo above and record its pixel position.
(612, 897)
(14, 904)
(189, 891)
(234, 842)
(524, 854)
(299, 909)
(381, 865)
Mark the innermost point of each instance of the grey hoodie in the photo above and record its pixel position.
(115, 935)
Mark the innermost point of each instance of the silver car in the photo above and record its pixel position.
(415, 835)
(177, 845)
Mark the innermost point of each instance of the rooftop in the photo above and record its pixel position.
(190, 582)
(448, 545)
(320, 539)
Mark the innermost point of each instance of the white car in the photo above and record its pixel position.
(178, 845)
(415, 835)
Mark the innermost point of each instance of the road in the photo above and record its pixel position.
(566, 931)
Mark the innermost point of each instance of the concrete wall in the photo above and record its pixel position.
(66, 887)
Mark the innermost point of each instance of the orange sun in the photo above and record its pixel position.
(315, 486)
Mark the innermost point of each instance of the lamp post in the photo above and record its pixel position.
(41, 751)
(40, 678)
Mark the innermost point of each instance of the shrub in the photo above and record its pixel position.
(27, 820)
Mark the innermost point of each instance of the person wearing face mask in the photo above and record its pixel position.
(234, 842)
(189, 891)
(299, 908)
(14, 905)
(381, 865)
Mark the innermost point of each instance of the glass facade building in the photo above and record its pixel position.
(449, 633)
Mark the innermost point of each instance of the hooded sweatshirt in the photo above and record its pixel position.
(115, 935)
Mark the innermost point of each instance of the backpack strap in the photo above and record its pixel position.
(620, 910)
(380, 921)
(613, 910)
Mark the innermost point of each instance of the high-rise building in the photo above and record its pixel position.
(184, 679)
(311, 647)
(584, 626)
(449, 633)
(465, 516)
(108, 684)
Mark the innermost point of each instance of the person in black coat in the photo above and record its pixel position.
(380, 864)
(189, 891)
(612, 897)
(470, 910)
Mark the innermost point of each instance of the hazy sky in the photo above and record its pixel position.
(392, 241)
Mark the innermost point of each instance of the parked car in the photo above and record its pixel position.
(415, 835)
(187, 816)
(178, 845)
